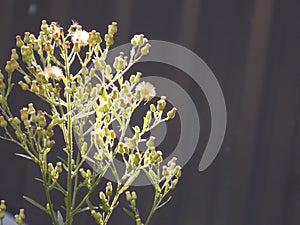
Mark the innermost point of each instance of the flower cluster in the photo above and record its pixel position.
(61, 68)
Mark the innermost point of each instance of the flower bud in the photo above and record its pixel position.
(109, 39)
(22, 214)
(18, 219)
(128, 196)
(109, 189)
(171, 113)
(24, 86)
(97, 216)
(19, 42)
(14, 54)
(112, 29)
(145, 49)
(2, 205)
(3, 122)
(150, 142)
(26, 37)
(58, 167)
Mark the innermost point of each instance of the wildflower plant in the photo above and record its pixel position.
(46, 65)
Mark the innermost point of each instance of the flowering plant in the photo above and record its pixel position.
(47, 65)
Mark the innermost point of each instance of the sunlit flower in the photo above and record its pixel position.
(146, 90)
(53, 72)
(80, 36)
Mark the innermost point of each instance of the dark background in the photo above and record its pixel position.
(253, 48)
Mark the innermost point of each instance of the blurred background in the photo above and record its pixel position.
(253, 48)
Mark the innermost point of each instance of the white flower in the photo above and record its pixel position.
(146, 90)
(80, 36)
(53, 72)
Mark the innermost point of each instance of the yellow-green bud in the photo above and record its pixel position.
(26, 37)
(128, 196)
(145, 49)
(97, 216)
(18, 219)
(22, 214)
(109, 189)
(102, 196)
(24, 86)
(171, 113)
(2, 205)
(150, 142)
(133, 195)
(14, 54)
(58, 167)
(83, 173)
(112, 29)
(138, 77)
(19, 42)
(109, 39)
(3, 122)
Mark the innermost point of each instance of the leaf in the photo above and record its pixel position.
(129, 213)
(60, 218)
(24, 156)
(90, 205)
(164, 203)
(38, 179)
(30, 200)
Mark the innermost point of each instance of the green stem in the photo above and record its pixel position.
(46, 187)
(156, 201)
(69, 143)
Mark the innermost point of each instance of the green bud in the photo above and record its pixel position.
(128, 196)
(58, 167)
(171, 113)
(102, 196)
(133, 195)
(3, 122)
(22, 214)
(109, 39)
(152, 108)
(112, 29)
(24, 114)
(109, 189)
(24, 86)
(19, 42)
(145, 49)
(2, 205)
(14, 54)
(161, 104)
(83, 173)
(18, 219)
(150, 142)
(97, 216)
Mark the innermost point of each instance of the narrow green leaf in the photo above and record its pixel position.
(24, 156)
(30, 200)
(129, 213)
(164, 203)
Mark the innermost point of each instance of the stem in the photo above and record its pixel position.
(46, 186)
(69, 143)
(156, 201)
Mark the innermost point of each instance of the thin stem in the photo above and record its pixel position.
(69, 143)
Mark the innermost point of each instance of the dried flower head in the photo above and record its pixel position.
(80, 36)
(146, 90)
(53, 72)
